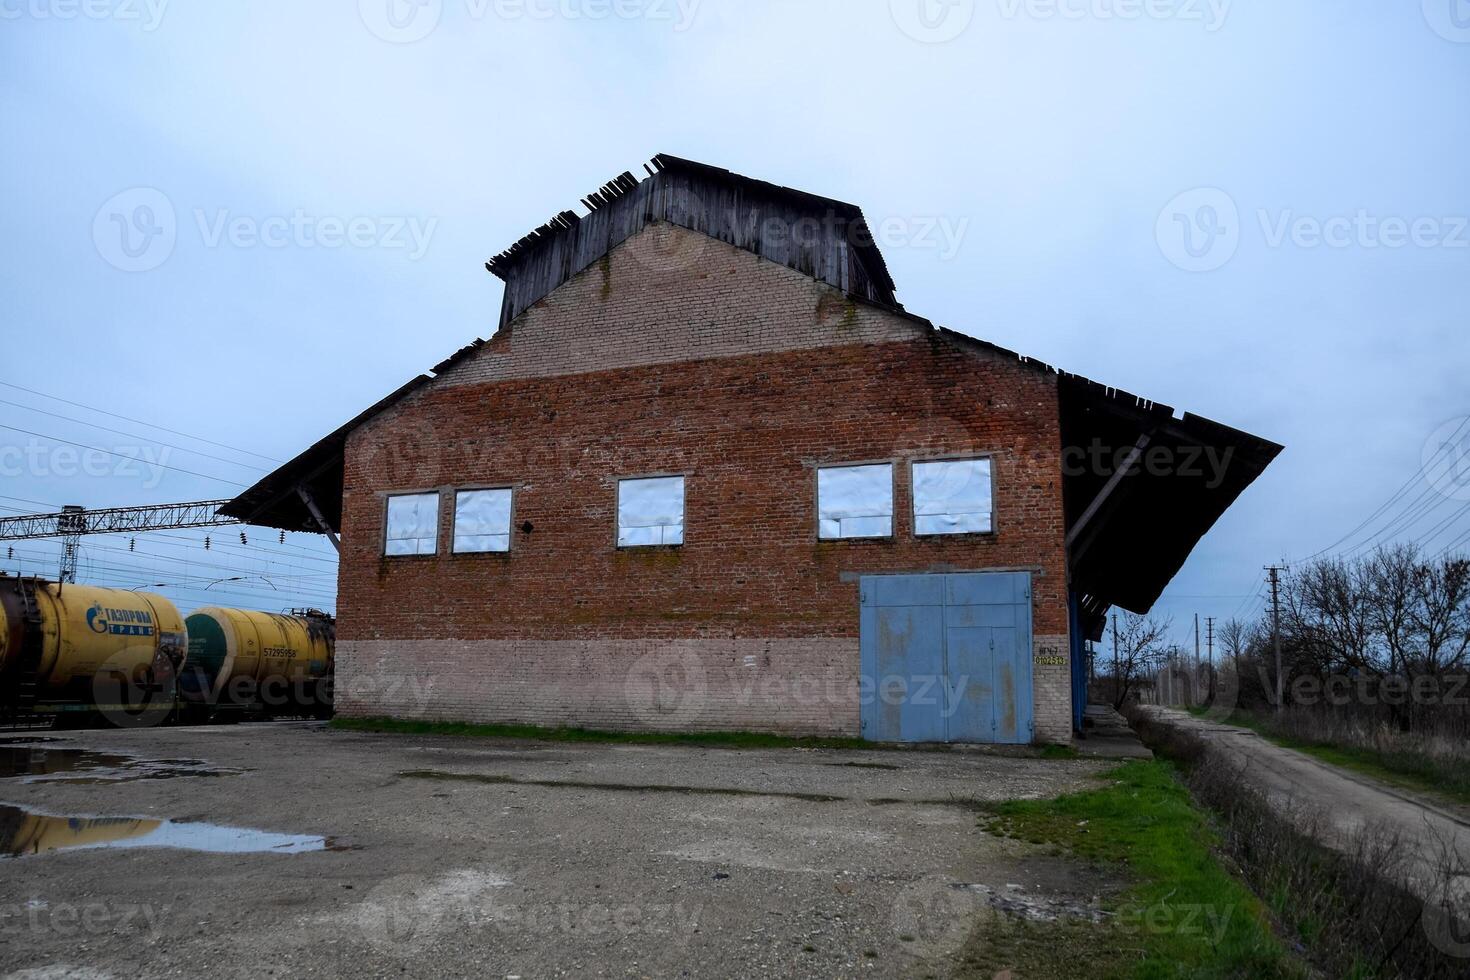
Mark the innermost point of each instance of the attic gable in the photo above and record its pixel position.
(825, 239)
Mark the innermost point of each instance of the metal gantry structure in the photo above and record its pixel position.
(73, 522)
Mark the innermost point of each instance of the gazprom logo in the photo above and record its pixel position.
(119, 622)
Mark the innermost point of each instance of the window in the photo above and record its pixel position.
(413, 524)
(651, 511)
(855, 501)
(481, 521)
(952, 497)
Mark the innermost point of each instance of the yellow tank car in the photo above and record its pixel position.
(243, 661)
(22, 832)
(83, 650)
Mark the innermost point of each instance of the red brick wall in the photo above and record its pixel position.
(753, 622)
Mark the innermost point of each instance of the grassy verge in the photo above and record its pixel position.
(1181, 914)
(729, 740)
(719, 740)
(1346, 904)
(1405, 770)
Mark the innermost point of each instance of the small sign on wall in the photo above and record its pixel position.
(1051, 651)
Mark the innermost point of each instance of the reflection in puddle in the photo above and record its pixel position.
(47, 764)
(24, 832)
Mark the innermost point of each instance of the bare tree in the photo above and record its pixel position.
(1139, 643)
(1441, 616)
(1391, 580)
(1235, 642)
(1329, 617)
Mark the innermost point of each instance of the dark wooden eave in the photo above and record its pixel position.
(276, 501)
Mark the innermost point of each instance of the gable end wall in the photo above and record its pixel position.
(744, 376)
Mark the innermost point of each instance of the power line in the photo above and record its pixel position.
(1423, 469)
(1462, 539)
(298, 572)
(181, 565)
(107, 575)
(135, 459)
(151, 425)
(133, 435)
(38, 503)
(99, 571)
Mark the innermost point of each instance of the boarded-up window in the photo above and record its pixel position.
(855, 501)
(481, 521)
(651, 511)
(413, 524)
(952, 497)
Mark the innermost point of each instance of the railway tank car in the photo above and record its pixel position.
(244, 663)
(86, 655)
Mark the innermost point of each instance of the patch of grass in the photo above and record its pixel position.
(1182, 913)
(1406, 770)
(714, 740)
(727, 740)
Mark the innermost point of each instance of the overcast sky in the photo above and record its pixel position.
(309, 192)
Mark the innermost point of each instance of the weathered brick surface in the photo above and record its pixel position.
(744, 376)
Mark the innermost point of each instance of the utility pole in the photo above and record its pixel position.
(1117, 678)
(1194, 687)
(1210, 652)
(1275, 571)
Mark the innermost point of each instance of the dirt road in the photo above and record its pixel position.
(1349, 801)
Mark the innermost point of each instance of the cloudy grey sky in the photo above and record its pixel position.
(1252, 210)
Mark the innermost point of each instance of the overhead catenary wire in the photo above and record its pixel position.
(107, 575)
(151, 425)
(135, 459)
(134, 435)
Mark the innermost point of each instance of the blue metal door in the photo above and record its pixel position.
(947, 658)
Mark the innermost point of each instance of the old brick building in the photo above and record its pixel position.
(709, 474)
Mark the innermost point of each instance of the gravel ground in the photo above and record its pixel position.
(460, 857)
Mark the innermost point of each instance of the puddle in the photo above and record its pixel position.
(36, 765)
(24, 832)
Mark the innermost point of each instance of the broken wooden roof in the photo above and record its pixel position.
(817, 236)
